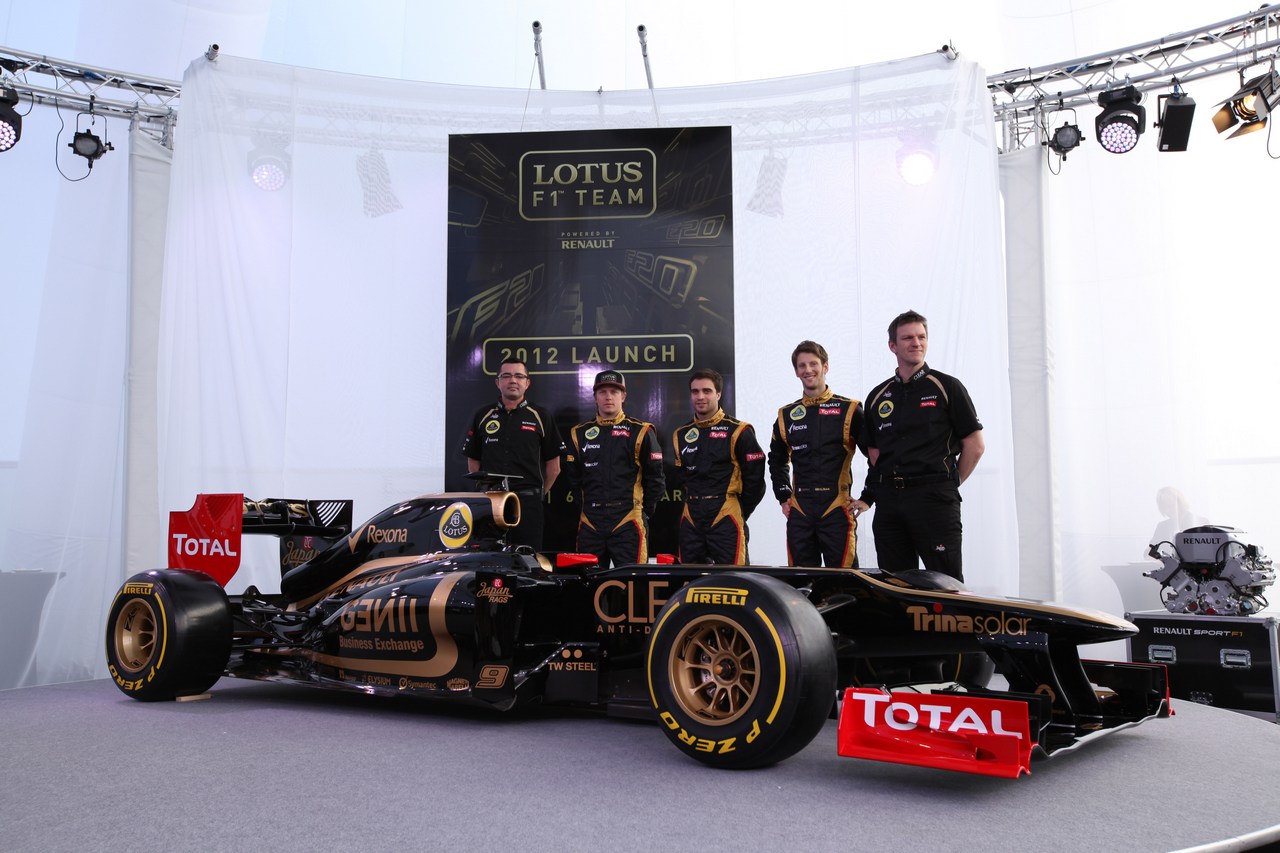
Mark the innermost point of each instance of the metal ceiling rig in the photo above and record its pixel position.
(1022, 98)
(151, 103)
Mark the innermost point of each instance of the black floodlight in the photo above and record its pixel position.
(10, 119)
(1066, 138)
(1250, 105)
(88, 145)
(1176, 111)
(1121, 121)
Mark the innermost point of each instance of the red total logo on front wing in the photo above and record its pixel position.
(951, 731)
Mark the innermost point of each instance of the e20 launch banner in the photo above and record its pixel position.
(578, 251)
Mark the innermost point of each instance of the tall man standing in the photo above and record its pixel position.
(923, 440)
(516, 437)
(614, 466)
(723, 475)
(815, 437)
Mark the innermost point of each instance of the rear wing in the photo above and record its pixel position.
(207, 537)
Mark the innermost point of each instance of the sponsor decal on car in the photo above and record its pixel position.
(932, 619)
(717, 595)
(455, 525)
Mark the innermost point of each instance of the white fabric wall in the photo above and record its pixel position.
(304, 339)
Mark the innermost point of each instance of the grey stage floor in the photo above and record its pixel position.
(264, 766)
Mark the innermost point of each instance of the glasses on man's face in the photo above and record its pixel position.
(506, 376)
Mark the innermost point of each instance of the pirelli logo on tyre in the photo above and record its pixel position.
(717, 595)
(136, 589)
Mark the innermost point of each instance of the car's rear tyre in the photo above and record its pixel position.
(742, 670)
(168, 634)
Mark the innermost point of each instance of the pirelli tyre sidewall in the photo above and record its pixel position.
(168, 634)
(741, 669)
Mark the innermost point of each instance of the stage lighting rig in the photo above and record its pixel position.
(1121, 121)
(85, 142)
(1065, 139)
(10, 119)
(269, 166)
(1250, 105)
(917, 162)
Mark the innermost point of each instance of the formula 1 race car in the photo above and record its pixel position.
(741, 667)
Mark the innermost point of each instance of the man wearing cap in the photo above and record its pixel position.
(815, 438)
(923, 439)
(722, 468)
(614, 466)
(515, 437)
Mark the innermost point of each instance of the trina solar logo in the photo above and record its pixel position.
(605, 183)
(933, 619)
(717, 595)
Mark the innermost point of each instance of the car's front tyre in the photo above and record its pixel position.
(742, 670)
(168, 634)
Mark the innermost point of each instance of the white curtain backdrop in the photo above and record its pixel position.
(302, 331)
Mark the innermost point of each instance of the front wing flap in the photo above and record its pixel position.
(949, 731)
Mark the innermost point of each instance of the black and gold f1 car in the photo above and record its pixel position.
(740, 667)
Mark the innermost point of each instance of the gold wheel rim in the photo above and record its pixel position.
(714, 670)
(135, 635)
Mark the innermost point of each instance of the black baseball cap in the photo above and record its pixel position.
(609, 377)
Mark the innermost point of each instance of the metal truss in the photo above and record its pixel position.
(147, 102)
(1023, 98)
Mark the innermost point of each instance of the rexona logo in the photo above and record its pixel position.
(455, 525)
(933, 619)
(717, 595)
(375, 535)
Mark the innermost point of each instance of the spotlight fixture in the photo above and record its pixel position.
(10, 119)
(916, 163)
(1066, 138)
(1121, 121)
(1250, 105)
(269, 167)
(89, 146)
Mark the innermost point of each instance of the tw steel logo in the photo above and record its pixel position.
(627, 607)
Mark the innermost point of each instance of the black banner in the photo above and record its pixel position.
(578, 251)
